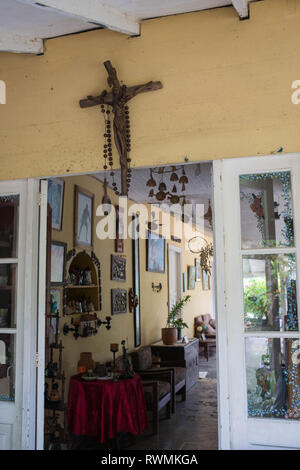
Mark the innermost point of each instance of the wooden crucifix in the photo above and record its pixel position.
(117, 99)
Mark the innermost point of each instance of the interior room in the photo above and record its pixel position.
(110, 298)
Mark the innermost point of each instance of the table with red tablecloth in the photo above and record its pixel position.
(102, 408)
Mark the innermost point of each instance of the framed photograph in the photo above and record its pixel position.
(56, 188)
(118, 301)
(191, 277)
(120, 230)
(58, 261)
(184, 288)
(84, 215)
(205, 280)
(118, 268)
(156, 248)
(198, 270)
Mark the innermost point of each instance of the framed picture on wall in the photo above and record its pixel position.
(118, 301)
(156, 248)
(198, 270)
(205, 280)
(118, 268)
(184, 287)
(56, 201)
(83, 219)
(58, 262)
(191, 277)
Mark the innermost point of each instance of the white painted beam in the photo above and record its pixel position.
(96, 11)
(242, 7)
(10, 42)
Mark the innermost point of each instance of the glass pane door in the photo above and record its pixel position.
(261, 267)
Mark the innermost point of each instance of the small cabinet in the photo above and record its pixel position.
(181, 352)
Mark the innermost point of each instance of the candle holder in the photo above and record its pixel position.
(114, 347)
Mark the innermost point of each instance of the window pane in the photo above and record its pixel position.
(273, 377)
(9, 217)
(7, 372)
(8, 284)
(266, 210)
(270, 293)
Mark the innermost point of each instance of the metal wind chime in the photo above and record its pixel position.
(162, 194)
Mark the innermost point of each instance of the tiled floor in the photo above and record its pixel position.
(194, 426)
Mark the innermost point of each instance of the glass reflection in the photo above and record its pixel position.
(8, 283)
(7, 357)
(273, 377)
(270, 292)
(266, 210)
(9, 216)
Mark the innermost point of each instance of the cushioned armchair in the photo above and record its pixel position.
(143, 363)
(210, 332)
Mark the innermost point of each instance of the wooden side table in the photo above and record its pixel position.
(189, 353)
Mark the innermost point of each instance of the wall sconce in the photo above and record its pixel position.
(157, 288)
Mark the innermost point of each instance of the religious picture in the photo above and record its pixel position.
(84, 210)
(118, 301)
(118, 268)
(56, 201)
(155, 253)
(198, 270)
(205, 280)
(58, 256)
(191, 277)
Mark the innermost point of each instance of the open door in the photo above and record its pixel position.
(257, 226)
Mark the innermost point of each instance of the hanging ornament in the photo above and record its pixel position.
(160, 196)
(208, 214)
(183, 187)
(174, 190)
(162, 186)
(151, 182)
(174, 176)
(151, 193)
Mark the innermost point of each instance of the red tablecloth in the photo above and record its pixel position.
(103, 408)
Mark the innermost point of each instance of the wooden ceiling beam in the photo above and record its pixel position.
(10, 42)
(94, 11)
(242, 8)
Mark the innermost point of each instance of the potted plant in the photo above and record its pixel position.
(174, 322)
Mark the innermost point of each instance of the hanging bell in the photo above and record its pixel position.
(183, 179)
(174, 199)
(160, 196)
(151, 183)
(174, 177)
(162, 186)
(151, 193)
(174, 190)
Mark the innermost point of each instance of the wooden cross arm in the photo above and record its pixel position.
(130, 93)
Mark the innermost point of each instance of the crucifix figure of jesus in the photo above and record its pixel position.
(117, 98)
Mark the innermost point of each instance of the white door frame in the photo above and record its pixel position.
(23, 425)
(268, 433)
(220, 309)
(175, 249)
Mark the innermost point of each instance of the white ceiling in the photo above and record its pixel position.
(25, 23)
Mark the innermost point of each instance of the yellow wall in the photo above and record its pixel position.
(154, 306)
(227, 91)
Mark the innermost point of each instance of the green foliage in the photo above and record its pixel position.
(174, 315)
(256, 299)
